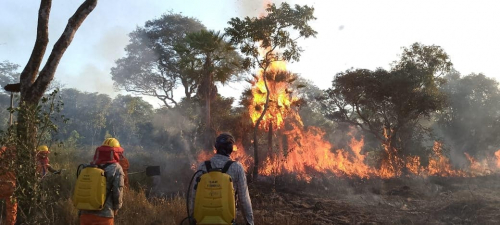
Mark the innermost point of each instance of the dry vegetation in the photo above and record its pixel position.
(409, 200)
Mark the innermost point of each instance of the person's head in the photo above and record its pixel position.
(43, 151)
(108, 152)
(224, 144)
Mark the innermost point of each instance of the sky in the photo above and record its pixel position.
(351, 34)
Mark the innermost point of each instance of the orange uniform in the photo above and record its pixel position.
(125, 166)
(7, 187)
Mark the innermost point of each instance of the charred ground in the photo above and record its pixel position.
(411, 200)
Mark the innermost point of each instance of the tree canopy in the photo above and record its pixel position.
(152, 65)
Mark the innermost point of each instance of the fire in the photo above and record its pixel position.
(303, 152)
(280, 96)
(439, 165)
(497, 156)
(478, 168)
(413, 165)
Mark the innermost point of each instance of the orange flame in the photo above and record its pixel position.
(280, 97)
(439, 165)
(497, 156)
(478, 168)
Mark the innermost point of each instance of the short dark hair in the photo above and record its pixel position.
(224, 143)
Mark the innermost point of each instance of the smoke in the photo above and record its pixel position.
(93, 79)
(95, 76)
(111, 46)
(252, 8)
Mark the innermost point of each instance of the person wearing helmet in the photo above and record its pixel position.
(8, 185)
(113, 142)
(107, 156)
(42, 161)
(224, 144)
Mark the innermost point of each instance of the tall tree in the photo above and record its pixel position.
(386, 103)
(33, 84)
(151, 66)
(471, 121)
(267, 39)
(207, 58)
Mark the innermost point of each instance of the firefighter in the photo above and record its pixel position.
(42, 161)
(113, 142)
(224, 144)
(8, 185)
(107, 156)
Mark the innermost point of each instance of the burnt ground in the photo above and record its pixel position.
(416, 200)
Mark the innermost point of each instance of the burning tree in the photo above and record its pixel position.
(281, 100)
(267, 39)
(389, 104)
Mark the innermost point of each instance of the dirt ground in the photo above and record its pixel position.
(411, 200)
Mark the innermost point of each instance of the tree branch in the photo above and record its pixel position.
(48, 71)
(42, 39)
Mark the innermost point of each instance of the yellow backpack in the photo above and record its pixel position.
(90, 189)
(215, 197)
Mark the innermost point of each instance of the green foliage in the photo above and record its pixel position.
(22, 141)
(470, 123)
(206, 53)
(272, 32)
(151, 66)
(389, 104)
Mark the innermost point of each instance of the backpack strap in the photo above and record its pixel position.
(208, 165)
(226, 167)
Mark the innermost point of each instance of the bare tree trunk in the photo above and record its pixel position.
(209, 95)
(33, 85)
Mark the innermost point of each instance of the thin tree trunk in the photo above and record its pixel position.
(208, 101)
(270, 141)
(256, 128)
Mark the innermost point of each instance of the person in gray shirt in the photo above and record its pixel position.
(224, 146)
(107, 157)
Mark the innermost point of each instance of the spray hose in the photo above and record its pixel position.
(189, 217)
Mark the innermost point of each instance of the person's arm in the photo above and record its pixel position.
(117, 189)
(52, 170)
(244, 196)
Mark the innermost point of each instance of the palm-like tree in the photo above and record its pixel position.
(205, 56)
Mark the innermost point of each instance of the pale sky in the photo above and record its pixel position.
(355, 33)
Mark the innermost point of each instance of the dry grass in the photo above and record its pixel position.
(137, 209)
(325, 200)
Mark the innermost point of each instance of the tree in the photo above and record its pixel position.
(280, 104)
(471, 121)
(207, 58)
(126, 115)
(389, 103)
(271, 34)
(33, 84)
(151, 66)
